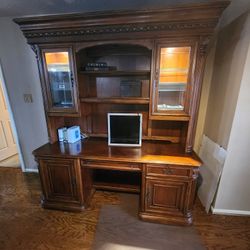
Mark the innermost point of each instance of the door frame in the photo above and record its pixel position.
(12, 121)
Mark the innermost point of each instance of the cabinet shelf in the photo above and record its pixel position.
(167, 87)
(117, 187)
(117, 100)
(115, 73)
(169, 117)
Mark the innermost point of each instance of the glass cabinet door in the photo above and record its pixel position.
(171, 79)
(59, 80)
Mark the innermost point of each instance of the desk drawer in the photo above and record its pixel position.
(111, 165)
(168, 170)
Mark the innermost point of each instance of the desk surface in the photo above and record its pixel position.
(98, 149)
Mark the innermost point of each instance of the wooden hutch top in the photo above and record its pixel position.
(191, 19)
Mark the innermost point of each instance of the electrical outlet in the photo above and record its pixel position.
(27, 98)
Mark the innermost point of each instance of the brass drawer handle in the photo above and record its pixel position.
(168, 171)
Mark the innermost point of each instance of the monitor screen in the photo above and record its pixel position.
(124, 129)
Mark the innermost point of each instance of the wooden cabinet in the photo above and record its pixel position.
(61, 183)
(165, 196)
(144, 61)
(168, 193)
(60, 84)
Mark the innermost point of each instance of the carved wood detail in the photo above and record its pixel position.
(111, 29)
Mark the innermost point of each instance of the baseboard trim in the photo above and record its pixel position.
(229, 212)
(31, 170)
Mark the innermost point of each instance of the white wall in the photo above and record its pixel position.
(235, 9)
(234, 191)
(21, 76)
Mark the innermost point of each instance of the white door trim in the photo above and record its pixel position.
(12, 119)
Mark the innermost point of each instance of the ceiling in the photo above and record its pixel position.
(11, 8)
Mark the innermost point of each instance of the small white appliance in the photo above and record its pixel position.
(73, 134)
(62, 134)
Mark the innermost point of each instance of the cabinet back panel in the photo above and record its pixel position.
(121, 56)
(167, 129)
(99, 115)
(53, 123)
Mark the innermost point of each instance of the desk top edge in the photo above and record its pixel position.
(98, 149)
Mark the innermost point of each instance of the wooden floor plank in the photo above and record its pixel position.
(25, 225)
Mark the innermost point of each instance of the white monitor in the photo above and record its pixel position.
(124, 129)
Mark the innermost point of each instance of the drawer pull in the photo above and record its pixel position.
(168, 171)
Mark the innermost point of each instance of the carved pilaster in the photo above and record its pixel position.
(204, 41)
(200, 64)
(36, 50)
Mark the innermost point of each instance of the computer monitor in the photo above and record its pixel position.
(124, 129)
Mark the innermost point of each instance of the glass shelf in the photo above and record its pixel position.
(110, 73)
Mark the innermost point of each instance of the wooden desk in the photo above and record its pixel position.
(166, 176)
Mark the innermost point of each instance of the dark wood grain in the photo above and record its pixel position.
(130, 42)
(116, 100)
(62, 184)
(166, 179)
(97, 149)
(113, 25)
(25, 225)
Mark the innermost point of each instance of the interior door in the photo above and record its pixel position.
(7, 141)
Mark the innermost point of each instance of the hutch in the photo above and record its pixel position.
(146, 61)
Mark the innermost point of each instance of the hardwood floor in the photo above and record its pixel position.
(25, 225)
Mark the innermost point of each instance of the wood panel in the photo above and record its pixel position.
(61, 182)
(167, 128)
(99, 115)
(53, 123)
(176, 21)
(159, 152)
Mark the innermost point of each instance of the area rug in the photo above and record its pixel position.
(119, 228)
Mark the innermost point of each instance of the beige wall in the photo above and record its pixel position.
(21, 76)
(231, 50)
(234, 191)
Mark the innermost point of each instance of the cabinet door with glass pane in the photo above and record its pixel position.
(172, 79)
(60, 81)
